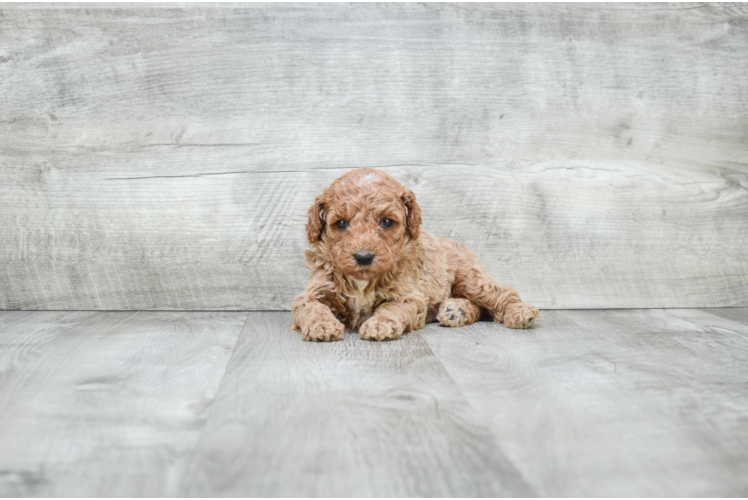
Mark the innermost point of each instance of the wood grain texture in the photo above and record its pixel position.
(612, 403)
(109, 406)
(736, 315)
(164, 157)
(350, 418)
(590, 403)
(583, 236)
(23, 340)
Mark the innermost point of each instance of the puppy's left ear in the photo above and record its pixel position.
(412, 214)
(316, 219)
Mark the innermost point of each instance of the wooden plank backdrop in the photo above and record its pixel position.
(163, 157)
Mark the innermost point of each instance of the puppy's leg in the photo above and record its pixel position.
(316, 321)
(458, 312)
(391, 319)
(503, 302)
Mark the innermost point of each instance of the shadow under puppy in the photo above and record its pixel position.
(374, 270)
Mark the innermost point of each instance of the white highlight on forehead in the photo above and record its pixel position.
(367, 178)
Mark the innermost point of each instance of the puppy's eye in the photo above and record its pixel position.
(341, 224)
(386, 222)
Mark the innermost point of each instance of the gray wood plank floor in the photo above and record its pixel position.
(112, 405)
(590, 403)
(340, 419)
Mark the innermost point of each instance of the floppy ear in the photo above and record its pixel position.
(316, 223)
(412, 214)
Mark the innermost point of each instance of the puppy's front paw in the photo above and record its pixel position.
(520, 315)
(325, 330)
(376, 328)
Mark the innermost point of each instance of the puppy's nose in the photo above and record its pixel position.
(364, 257)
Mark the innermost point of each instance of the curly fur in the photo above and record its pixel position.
(415, 277)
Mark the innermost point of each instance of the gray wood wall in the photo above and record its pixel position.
(160, 157)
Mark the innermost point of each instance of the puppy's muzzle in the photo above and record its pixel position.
(364, 258)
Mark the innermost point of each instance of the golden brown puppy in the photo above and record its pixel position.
(372, 269)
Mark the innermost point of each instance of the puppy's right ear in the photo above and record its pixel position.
(316, 223)
(412, 214)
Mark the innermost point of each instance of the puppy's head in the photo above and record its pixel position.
(364, 223)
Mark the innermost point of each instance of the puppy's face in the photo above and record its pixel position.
(363, 222)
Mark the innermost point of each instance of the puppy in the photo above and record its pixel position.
(374, 270)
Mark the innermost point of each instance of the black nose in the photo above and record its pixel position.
(364, 258)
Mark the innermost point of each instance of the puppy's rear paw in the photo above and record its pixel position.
(376, 328)
(520, 315)
(323, 331)
(452, 315)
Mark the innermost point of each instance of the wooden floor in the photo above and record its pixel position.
(589, 403)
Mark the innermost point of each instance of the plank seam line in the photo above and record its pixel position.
(207, 174)
(480, 420)
(698, 308)
(192, 454)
